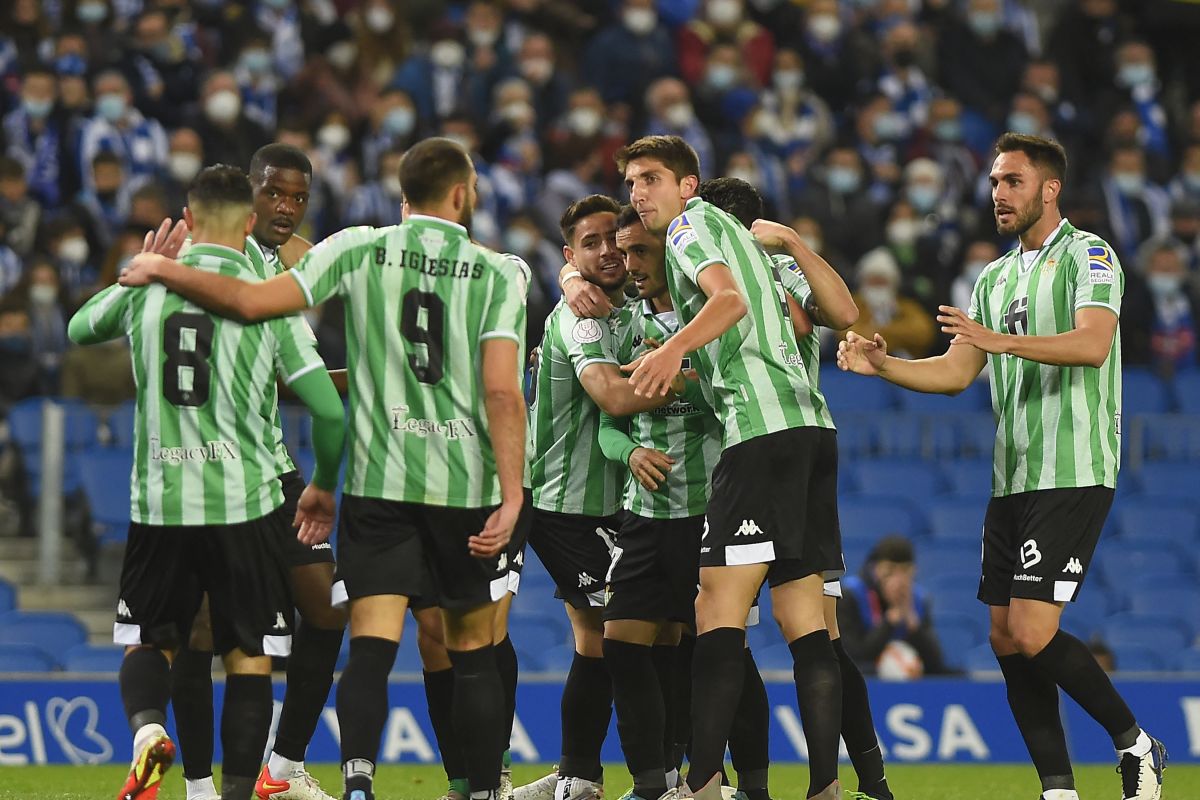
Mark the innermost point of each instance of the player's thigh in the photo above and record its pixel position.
(247, 583)
(463, 581)
(380, 550)
(829, 610)
(1033, 623)
(516, 550)
(503, 609)
(726, 595)
(799, 606)
(378, 615)
(237, 662)
(587, 626)
(160, 590)
(469, 628)
(1000, 547)
(312, 587)
(654, 572)
(431, 639)
(577, 551)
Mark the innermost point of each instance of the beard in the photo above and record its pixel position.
(468, 214)
(1023, 219)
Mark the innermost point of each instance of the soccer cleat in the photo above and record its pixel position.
(670, 794)
(453, 794)
(146, 774)
(1141, 777)
(300, 786)
(831, 792)
(730, 793)
(849, 795)
(578, 789)
(541, 789)
(506, 785)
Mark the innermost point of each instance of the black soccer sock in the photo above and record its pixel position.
(858, 728)
(439, 696)
(664, 668)
(586, 711)
(641, 715)
(683, 699)
(245, 725)
(192, 705)
(1073, 667)
(309, 676)
(748, 736)
(506, 664)
(717, 667)
(1033, 698)
(145, 680)
(819, 697)
(478, 713)
(362, 707)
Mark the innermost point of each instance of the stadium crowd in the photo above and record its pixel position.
(864, 123)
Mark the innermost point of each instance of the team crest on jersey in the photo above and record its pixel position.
(587, 331)
(680, 232)
(1100, 265)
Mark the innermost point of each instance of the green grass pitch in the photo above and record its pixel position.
(910, 782)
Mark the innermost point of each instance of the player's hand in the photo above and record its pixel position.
(651, 373)
(861, 355)
(650, 466)
(142, 270)
(586, 299)
(167, 240)
(965, 330)
(314, 515)
(772, 234)
(490, 541)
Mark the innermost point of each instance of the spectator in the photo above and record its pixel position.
(384, 41)
(331, 80)
(72, 258)
(25, 26)
(724, 80)
(908, 328)
(333, 158)
(810, 231)
(1162, 310)
(588, 126)
(911, 238)
(391, 125)
(838, 200)
(1186, 184)
(1029, 116)
(1136, 208)
(1137, 77)
(882, 135)
(537, 63)
(884, 605)
(902, 79)
(793, 118)
(1084, 44)
(1043, 80)
(257, 81)
(184, 160)
(1185, 226)
(118, 127)
(976, 257)
(838, 60)
(41, 294)
(981, 62)
(724, 22)
(647, 53)
(377, 202)
(228, 134)
(513, 118)
(19, 213)
(148, 207)
(34, 134)
(12, 267)
(126, 244)
(282, 19)
(18, 367)
(670, 111)
(439, 82)
(485, 225)
(105, 206)
(941, 139)
(99, 374)
(578, 177)
(97, 28)
(158, 69)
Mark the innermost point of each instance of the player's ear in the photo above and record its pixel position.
(458, 196)
(688, 186)
(569, 254)
(188, 219)
(250, 221)
(1050, 190)
(405, 210)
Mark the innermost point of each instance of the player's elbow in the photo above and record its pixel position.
(844, 316)
(733, 303)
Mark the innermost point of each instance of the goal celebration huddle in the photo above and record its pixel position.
(677, 459)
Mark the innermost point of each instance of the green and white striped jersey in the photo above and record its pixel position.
(568, 471)
(754, 374)
(205, 442)
(690, 435)
(263, 260)
(420, 299)
(1057, 427)
(793, 281)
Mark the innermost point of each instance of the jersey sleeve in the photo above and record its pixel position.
(978, 293)
(105, 316)
(693, 243)
(504, 317)
(295, 348)
(324, 271)
(792, 279)
(586, 341)
(1099, 280)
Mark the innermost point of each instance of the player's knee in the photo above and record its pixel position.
(325, 617)
(1029, 639)
(1001, 641)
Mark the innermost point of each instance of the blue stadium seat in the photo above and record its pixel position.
(854, 435)
(956, 520)
(952, 589)
(24, 658)
(297, 427)
(981, 659)
(105, 475)
(408, 657)
(956, 642)
(120, 425)
(1181, 605)
(1187, 392)
(1143, 393)
(941, 556)
(1138, 519)
(774, 657)
(976, 435)
(967, 616)
(867, 520)
(971, 479)
(846, 392)
(1168, 437)
(536, 633)
(1138, 582)
(897, 435)
(976, 397)
(53, 631)
(80, 430)
(1188, 660)
(1150, 632)
(1169, 481)
(1118, 563)
(855, 554)
(915, 480)
(93, 658)
(556, 659)
(764, 634)
(1139, 659)
(1089, 612)
(8, 596)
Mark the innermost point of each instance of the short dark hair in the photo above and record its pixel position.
(1046, 155)
(733, 196)
(674, 153)
(581, 209)
(431, 167)
(220, 185)
(627, 216)
(106, 157)
(10, 168)
(279, 156)
(38, 69)
(895, 548)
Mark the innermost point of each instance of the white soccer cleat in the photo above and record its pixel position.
(297, 786)
(541, 789)
(727, 792)
(1141, 776)
(578, 789)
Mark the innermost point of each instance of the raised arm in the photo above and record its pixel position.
(831, 304)
(221, 294)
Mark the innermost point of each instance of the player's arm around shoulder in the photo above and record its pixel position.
(101, 318)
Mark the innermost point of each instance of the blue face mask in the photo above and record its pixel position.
(1129, 182)
(37, 108)
(948, 130)
(1133, 75)
(110, 106)
(257, 61)
(1023, 122)
(399, 121)
(843, 180)
(721, 76)
(890, 126)
(89, 13)
(985, 24)
(922, 196)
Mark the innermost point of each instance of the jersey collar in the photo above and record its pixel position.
(438, 222)
(692, 202)
(266, 251)
(1063, 228)
(218, 250)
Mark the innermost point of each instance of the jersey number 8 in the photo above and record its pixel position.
(187, 341)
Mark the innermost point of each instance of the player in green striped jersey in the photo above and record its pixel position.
(1045, 315)
(205, 495)
(436, 439)
(768, 516)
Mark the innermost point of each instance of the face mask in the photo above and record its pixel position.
(91, 13)
(788, 80)
(984, 23)
(1192, 179)
(519, 113)
(223, 107)
(973, 269)
(824, 27)
(278, 3)
(73, 250)
(447, 54)
(1023, 122)
(334, 136)
(43, 294)
(812, 242)
(460, 140)
(166, 51)
(537, 70)
(878, 296)
(342, 54)
(843, 180)
(890, 126)
(183, 166)
(1133, 75)
(1129, 182)
(1162, 285)
(257, 61)
(399, 121)
(678, 115)
(922, 196)
(519, 240)
(111, 106)
(481, 37)
(902, 232)
(379, 19)
(747, 175)
(584, 121)
(15, 344)
(721, 76)
(724, 12)
(947, 130)
(391, 185)
(37, 108)
(640, 20)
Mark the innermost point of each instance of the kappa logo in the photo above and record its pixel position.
(585, 580)
(1073, 566)
(748, 528)
(519, 558)
(123, 610)
(502, 562)
(280, 622)
(1030, 554)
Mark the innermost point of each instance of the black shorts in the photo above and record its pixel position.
(1038, 545)
(576, 550)
(774, 501)
(295, 552)
(388, 547)
(655, 570)
(167, 569)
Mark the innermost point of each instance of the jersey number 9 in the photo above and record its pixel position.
(423, 323)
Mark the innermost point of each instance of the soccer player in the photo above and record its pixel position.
(437, 440)
(279, 176)
(206, 502)
(1045, 316)
(818, 289)
(772, 513)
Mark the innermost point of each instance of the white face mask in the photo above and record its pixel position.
(1163, 284)
(519, 240)
(460, 140)
(903, 231)
(537, 70)
(342, 54)
(447, 54)
(824, 27)
(584, 121)
(747, 175)
(640, 20)
(812, 242)
(183, 166)
(973, 269)
(391, 185)
(482, 37)
(678, 115)
(43, 294)
(878, 296)
(223, 107)
(73, 250)
(335, 136)
(788, 80)
(379, 19)
(724, 12)
(519, 113)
